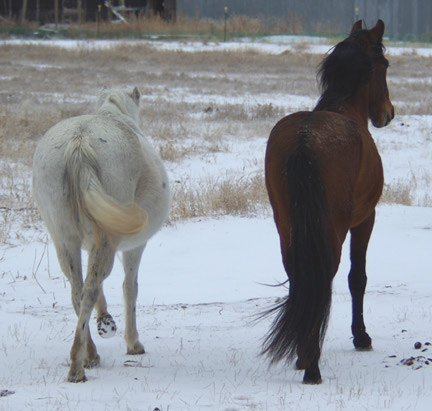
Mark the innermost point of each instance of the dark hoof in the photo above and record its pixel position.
(312, 378)
(363, 343)
(364, 349)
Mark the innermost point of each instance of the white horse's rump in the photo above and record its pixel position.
(100, 185)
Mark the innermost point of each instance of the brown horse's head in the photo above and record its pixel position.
(356, 65)
(381, 110)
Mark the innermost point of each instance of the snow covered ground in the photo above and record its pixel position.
(202, 283)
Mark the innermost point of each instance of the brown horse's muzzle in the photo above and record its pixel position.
(385, 118)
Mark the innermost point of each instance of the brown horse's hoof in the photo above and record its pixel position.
(312, 381)
(363, 343)
(365, 349)
(312, 377)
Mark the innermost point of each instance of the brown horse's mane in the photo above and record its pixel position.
(349, 67)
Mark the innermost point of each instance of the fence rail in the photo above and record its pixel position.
(403, 18)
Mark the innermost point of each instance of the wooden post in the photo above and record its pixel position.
(9, 8)
(24, 11)
(98, 18)
(56, 13)
(225, 22)
(79, 5)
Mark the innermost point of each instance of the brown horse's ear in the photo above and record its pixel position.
(378, 30)
(357, 26)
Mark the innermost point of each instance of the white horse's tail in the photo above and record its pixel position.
(89, 199)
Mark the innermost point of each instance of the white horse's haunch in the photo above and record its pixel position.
(100, 185)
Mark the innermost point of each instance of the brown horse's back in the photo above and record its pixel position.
(350, 167)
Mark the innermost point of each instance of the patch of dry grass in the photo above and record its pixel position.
(244, 195)
(16, 202)
(410, 83)
(193, 105)
(236, 24)
(400, 192)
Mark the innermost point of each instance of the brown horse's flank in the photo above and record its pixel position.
(324, 178)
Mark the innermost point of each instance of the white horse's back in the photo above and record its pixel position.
(99, 184)
(99, 173)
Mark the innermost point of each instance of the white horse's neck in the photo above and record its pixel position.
(113, 112)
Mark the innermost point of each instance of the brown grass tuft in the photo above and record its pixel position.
(398, 193)
(216, 197)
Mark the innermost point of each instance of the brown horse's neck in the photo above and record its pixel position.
(355, 107)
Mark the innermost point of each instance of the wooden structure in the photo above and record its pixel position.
(66, 11)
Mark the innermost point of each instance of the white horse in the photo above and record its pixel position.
(100, 185)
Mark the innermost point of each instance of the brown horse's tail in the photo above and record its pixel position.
(301, 321)
(88, 199)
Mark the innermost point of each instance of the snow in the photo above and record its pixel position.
(270, 45)
(202, 284)
(196, 315)
(279, 45)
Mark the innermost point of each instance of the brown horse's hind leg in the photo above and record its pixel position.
(312, 374)
(360, 236)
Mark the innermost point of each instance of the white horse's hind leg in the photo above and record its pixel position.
(131, 261)
(106, 325)
(69, 256)
(101, 260)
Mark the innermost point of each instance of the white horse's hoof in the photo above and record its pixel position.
(106, 326)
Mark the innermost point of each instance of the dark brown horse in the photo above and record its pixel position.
(324, 178)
